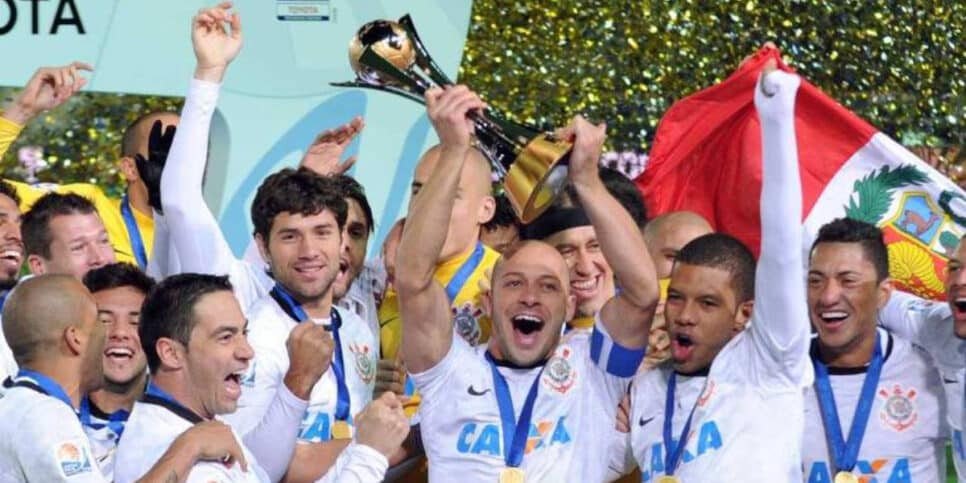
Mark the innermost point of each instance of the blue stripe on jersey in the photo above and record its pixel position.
(613, 358)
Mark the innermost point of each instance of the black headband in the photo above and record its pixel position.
(555, 220)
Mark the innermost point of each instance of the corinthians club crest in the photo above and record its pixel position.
(559, 373)
(898, 407)
(364, 363)
(466, 320)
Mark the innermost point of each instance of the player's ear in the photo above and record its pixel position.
(743, 315)
(170, 352)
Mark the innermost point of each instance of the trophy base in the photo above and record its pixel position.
(537, 176)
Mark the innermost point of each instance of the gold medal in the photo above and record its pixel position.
(846, 477)
(512, 475)
(341, 430)
(668, 479)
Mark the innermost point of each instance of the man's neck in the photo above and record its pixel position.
(114, 397)
(64, 378)
(857, 353)
(447, 256)
(174, 386)
(139, 200)
(318, 308)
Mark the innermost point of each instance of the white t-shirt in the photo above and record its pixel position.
(269, 327)
(929, 325)
(103, 435)
(8, 366)
(41, 439)
(574, 408)
(748, 421)
(905, 436)
(151, 429)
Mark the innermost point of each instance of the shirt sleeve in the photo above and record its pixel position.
(9, 131)
(358, 463)
(432, 383)
(272, 441)
(780, 326)
(57, 452)
(164, 259)
(209, 473)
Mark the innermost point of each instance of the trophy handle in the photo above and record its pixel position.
(422, 55)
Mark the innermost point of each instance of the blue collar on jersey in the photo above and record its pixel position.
(515, 433)
(134, 233)
(845, 453)
(157, 396)
(42, 384)
(294, 310)
(115, 420)
(463, 273)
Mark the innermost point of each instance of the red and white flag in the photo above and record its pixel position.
(707, 159)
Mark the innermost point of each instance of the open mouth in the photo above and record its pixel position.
(587, 288)
(119, 354)
(233, 383)
(833, 319)
(11, 256)
(959, 306)
(526, 328)
(682, 346)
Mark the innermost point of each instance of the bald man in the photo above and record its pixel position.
(666, 234)
(50, 323)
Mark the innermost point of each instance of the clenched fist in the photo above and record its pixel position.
(383, 425)
(310, 347)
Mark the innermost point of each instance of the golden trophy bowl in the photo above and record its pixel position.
(388, 56)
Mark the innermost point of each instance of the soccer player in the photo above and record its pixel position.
(730, 405)
(118, 290)
(11, 258)
(62, 233)
(503, 230)
(194, 335)
(51, 324)
(876, 409)
(521, 406)
(940, 328)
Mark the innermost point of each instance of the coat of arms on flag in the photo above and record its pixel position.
(710, 142)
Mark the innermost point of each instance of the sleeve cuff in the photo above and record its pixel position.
(368, 456)
(290, 399)
(8, 126)
(610, 356)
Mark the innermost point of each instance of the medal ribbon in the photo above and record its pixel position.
(845, 453)
(115, 420)
(42, 384)
(672, 452)
(134, 233)
(463, 273)
(295, 311)
(514, 433)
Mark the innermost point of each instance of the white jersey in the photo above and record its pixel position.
(103, 431)
(905, 437)
(579, 390)
(748, 418)
(8, 366)
(269, 327)
(41, 439)
(151, 429)
(930, 326)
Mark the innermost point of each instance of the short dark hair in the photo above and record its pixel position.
(352, 189)
(129, 141)
(503, 216)
(169, 310)
(626, 192)
(116, 275)
(724, 252)
(297, 191)
(869, 236)
(35, 227)
(10, 191)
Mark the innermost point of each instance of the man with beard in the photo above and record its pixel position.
(481, 405)
(730, 404)
(876, 409)
(119, 290)
(11, 257)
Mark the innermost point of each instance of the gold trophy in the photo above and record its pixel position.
(388, 56)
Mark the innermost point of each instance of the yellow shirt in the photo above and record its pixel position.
(466, 307)
(109, 209)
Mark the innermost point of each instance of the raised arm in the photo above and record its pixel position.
(195, 234)
(780, 326)
(423, 306)
(627, 316)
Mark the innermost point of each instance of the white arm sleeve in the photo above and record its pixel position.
(357, 464)
(780, 326)
(272, 441)
(164, 259)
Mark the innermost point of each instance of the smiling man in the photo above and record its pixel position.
(876, 409)
(482, 405)
(11, 258)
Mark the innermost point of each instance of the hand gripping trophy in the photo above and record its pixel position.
(388, 56)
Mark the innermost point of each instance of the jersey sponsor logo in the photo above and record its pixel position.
(705, 440)
(560, 374)
(476, 392)
(73, 459)
(898, 407)
(365, 366)
(316, 427)
(644, 422)
(466, 319)
(486, 438)
(874, 471)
